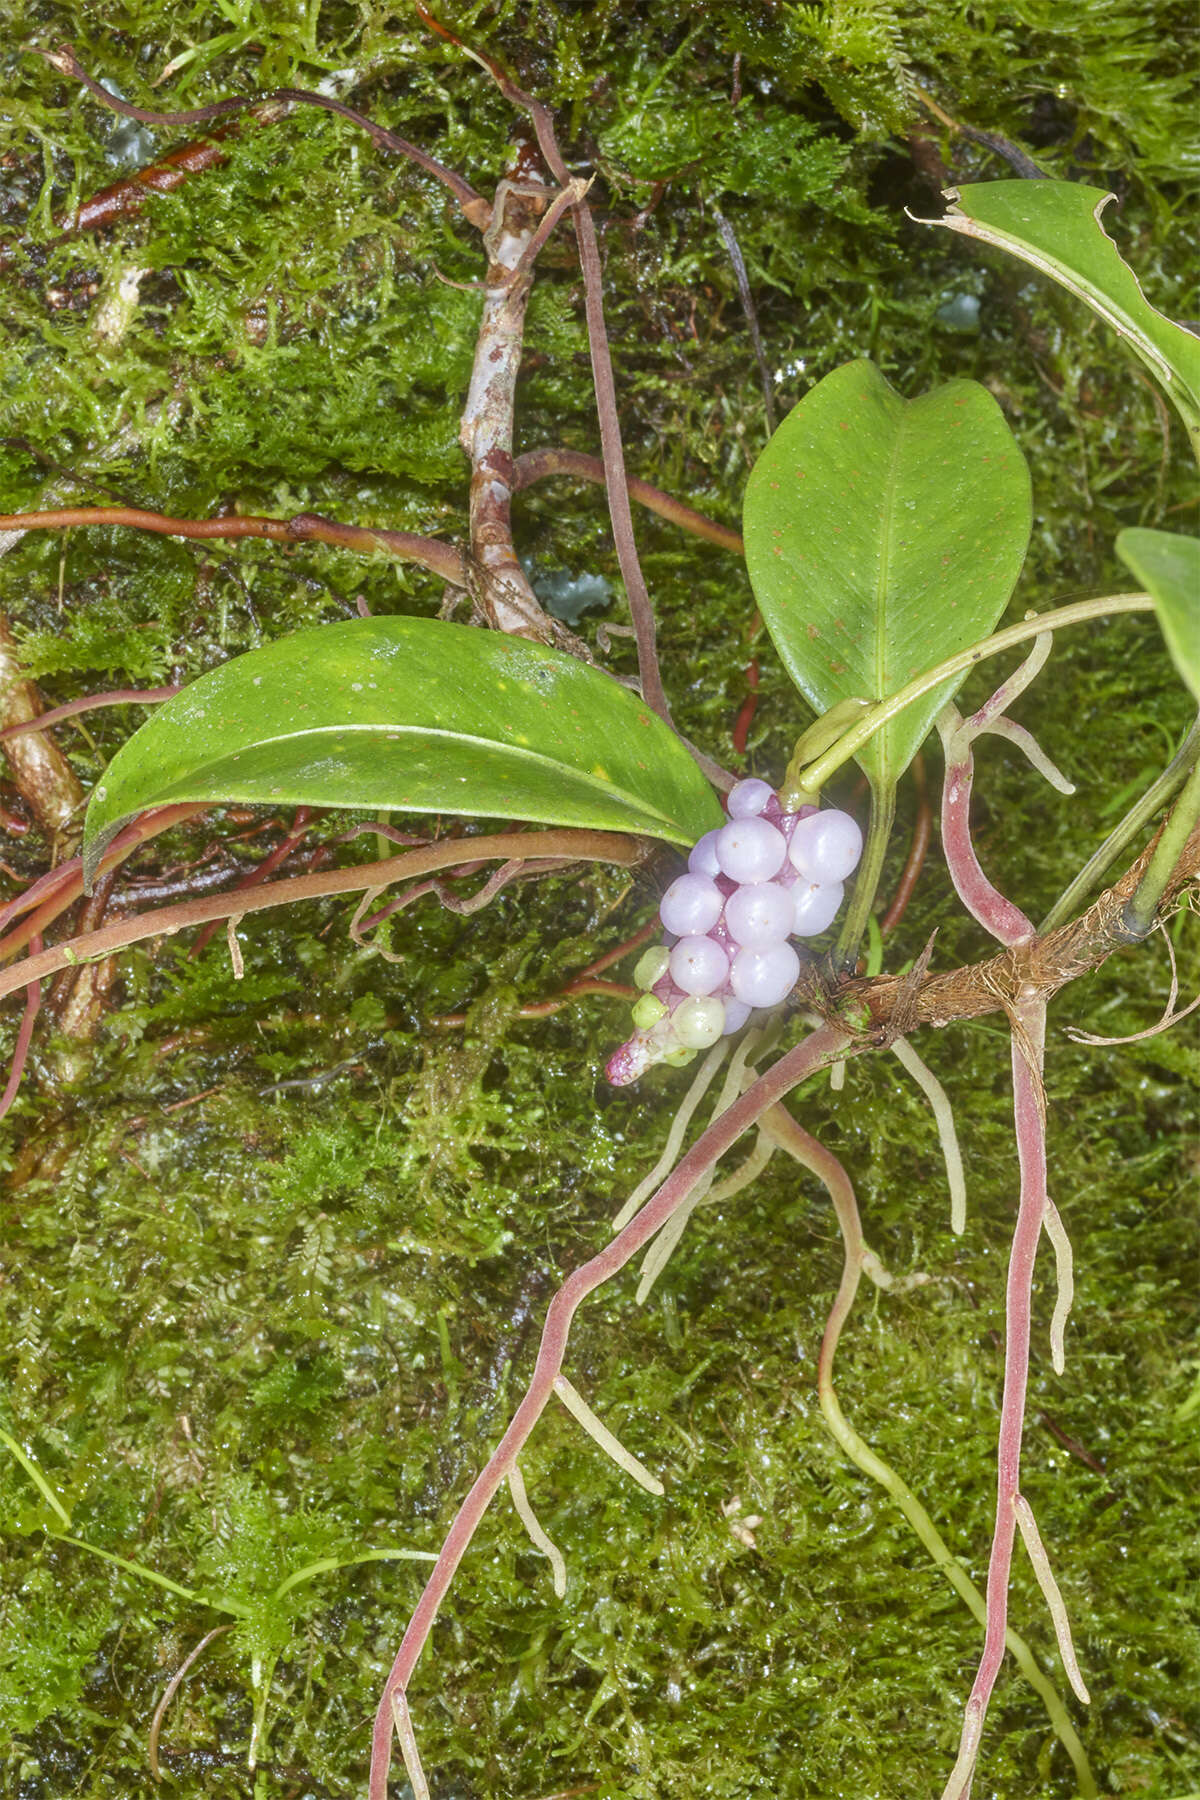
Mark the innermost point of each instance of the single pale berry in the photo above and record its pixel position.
(702, 858)
(691, 905)
(760, 914)
(750, 850)
(747, 799)
(698, 966)
(764, 977)
(651, 966)
(736, 1014)
(817, 905)
(826, 846)
(699, 1022)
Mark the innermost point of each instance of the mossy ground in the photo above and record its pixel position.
(249, 1330)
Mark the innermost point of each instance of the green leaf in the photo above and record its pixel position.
(417, 715)
(1055, 225)
(1168, 567)
(883, 535)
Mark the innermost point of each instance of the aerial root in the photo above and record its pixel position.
(857, 1261)
(1169, 1018)
(170, 1691)
(701, 1083)
(1064, 1266)
(529, 1519)
(611, 1445)
(1032, 750)
(706, 1193)
(663, 1247)
(1052, 1594)
(407, 1739)
(943, 1115)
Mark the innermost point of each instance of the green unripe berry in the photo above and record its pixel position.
(679, 1059)
(648, 1011)
(651, 966)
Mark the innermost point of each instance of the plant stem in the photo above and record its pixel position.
(870, 871)
(440, 559)
(882, 711)
(1029, 1032)
(536, 465)
(1143, 906)
(577, 845)
(1156, 795)
(814, 1053)
(779, 1125)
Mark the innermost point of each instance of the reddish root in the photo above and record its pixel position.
(118, 697)
(301, 825)
(392, 1716)
(918, 849)
(33, 1002)
(538, 465)
(440, 559)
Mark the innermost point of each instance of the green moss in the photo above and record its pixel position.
(252, 1326)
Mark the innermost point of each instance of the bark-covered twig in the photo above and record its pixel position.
(612, 449)
(502, 589)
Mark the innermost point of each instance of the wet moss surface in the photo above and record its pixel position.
(277, 1248)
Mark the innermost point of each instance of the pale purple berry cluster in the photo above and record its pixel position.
(751, 886)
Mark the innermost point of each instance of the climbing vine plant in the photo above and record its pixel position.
(886, 523)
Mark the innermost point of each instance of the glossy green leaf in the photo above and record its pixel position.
(1055, 225)
(883, 535)
(419, 716)
(1168, 567)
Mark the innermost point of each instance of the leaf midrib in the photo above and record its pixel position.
(610, 789)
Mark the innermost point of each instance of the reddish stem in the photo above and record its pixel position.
(814, 1053)
(918, 849)
(441, 559)
(591, 846)
(64, 60)
(747, 710)
(537, 465)
(33, 1002)
(117, 697)
(61, 887)
(267, 867)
